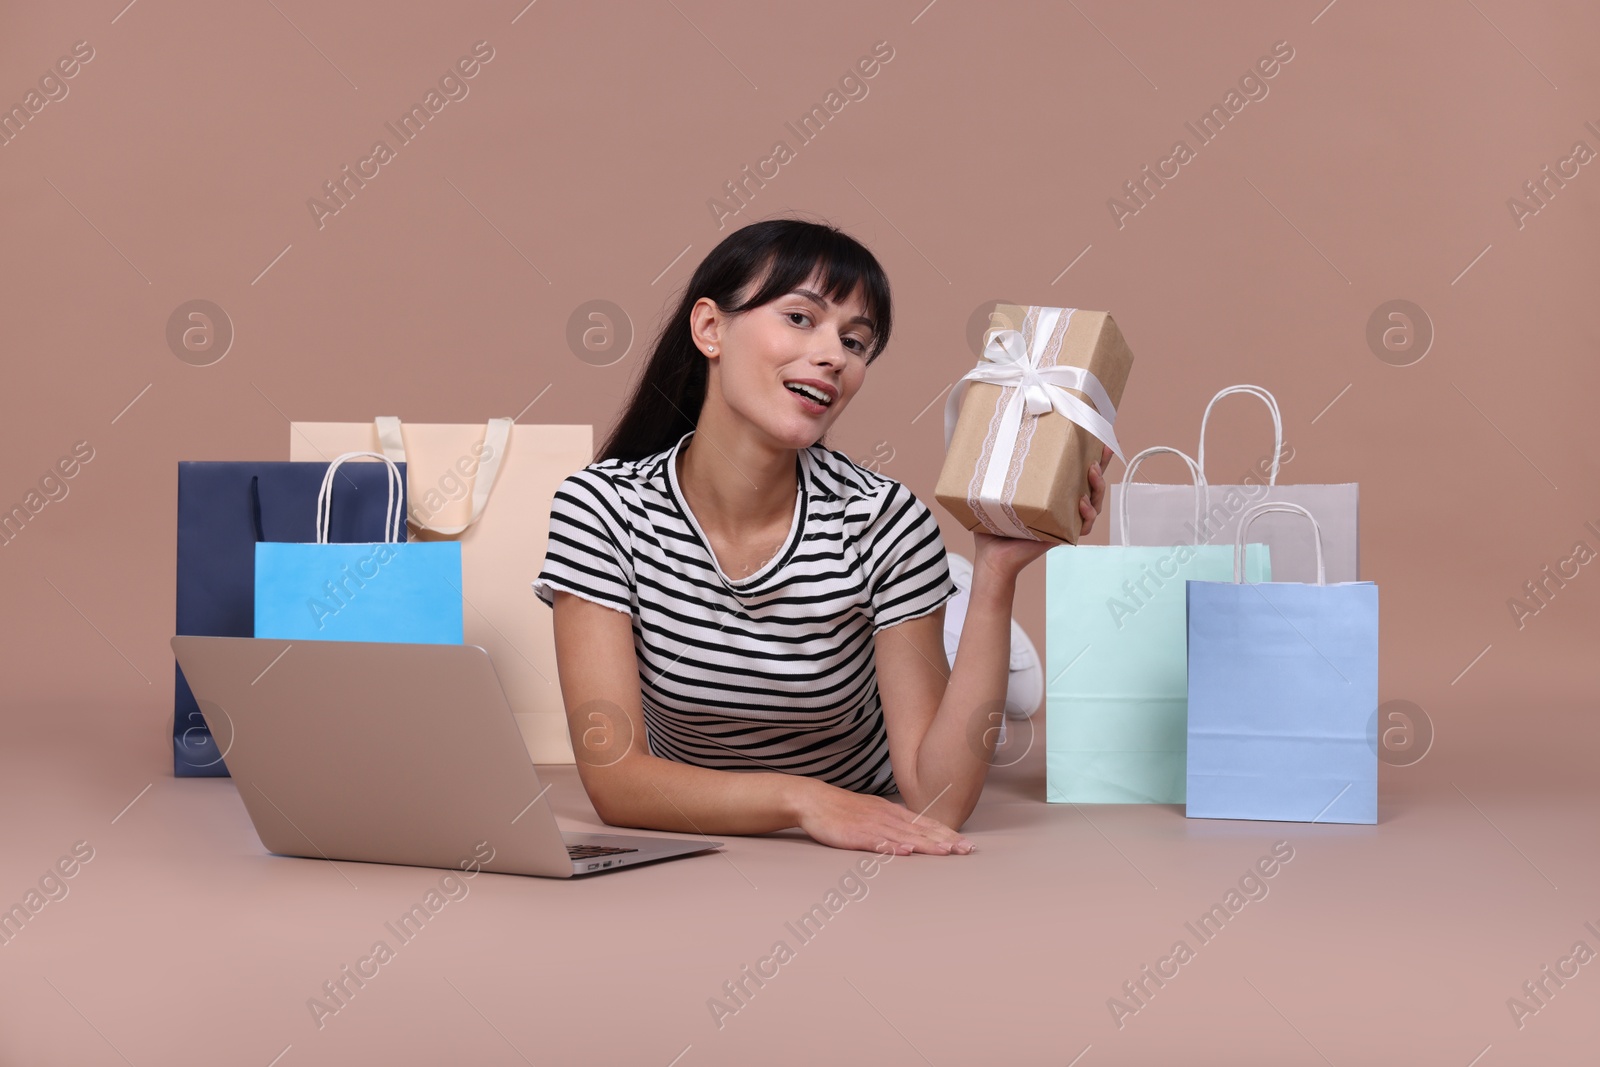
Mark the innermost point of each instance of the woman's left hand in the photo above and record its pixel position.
(1008, 556)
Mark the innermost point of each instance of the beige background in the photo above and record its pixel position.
(978, 168)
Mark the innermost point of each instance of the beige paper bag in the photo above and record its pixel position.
(490, 488)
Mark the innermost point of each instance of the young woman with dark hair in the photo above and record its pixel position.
(749, 625)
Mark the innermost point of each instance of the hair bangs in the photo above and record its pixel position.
(839, 263)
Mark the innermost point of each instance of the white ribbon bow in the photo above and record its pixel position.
(1008, 363)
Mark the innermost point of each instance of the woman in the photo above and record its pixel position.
(748, 625)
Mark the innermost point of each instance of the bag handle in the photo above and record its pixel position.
(496, 438)
(1277, 423)
(391, 515)
(255, 506)
(1262, 509)
(1200, 486)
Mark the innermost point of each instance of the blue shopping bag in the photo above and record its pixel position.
(1117, 702)
(1283, 681)
(385, 591)
(224, 508)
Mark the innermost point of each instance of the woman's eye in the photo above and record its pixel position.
(860, 346)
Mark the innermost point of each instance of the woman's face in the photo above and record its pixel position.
(773, 361)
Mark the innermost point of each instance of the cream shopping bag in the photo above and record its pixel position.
(490, 488)
(1161, 513)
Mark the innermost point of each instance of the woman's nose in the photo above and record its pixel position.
(833, 351)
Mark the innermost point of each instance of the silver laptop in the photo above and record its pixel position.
(389, 753)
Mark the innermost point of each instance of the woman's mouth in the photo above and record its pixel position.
(812, 400)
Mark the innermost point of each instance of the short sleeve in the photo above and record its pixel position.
(909, 573)
(588, 552)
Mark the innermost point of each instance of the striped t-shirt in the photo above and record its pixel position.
(774, 671)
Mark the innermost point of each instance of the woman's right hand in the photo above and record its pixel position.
(841, 818)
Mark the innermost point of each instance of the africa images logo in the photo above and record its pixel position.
(453, 87)
(1252, 84)
(852, 84)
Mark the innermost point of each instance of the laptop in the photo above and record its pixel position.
(390, 753)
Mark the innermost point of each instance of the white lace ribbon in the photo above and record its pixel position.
(1031, 390)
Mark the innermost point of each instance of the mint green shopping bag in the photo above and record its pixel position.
(1116, 666)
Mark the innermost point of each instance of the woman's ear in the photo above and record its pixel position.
(705, 326)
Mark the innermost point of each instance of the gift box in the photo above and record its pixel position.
(1023, 427)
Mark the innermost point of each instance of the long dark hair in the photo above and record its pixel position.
(671, 388)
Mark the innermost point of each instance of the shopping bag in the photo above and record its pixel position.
(1283, 682)
(390, 590)
(489, 488)
(1116, 712)
(1161, 513)
(224, 508)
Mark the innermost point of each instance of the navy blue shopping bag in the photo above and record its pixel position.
(224, 509)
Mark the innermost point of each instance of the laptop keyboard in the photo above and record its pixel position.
(583, 852)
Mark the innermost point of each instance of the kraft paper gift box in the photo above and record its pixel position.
(1023, 427)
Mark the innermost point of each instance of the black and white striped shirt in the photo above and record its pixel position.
(774, 671)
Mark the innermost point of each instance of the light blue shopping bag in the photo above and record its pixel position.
(396, 591)
(1283, 682)
(1117, 700)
